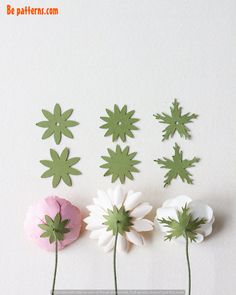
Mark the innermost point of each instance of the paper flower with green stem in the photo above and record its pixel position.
(119, 123)
(120, 164)
(117, 219)
(53, 223)
(60, 168)
(176, 122)
(177, 166)
(187, 221)
(57, 123)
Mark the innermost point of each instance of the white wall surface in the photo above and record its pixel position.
(95, 54)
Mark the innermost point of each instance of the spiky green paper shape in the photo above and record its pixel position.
(177, 166)
(118, 220)
(119, 123)
(120, 164)
(57, 123)
(185, 226)
(176, 122)
(60, 168)
(54, 229)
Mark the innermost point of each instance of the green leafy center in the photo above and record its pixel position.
(118, 220)
(54, 229)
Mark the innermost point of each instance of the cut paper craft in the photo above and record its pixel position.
(119, 123)
(120, 164)
(54, 229)
(57, 124)
(177, 167)
(176, 122)
(185, 223)
(60, 168)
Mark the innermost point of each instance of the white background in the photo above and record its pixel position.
(95, 54)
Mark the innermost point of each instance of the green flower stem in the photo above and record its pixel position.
(188, 262)
(114, 262)
(55, 269)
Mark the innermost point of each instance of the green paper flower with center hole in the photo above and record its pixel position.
(60, 167)
(119, 123)
(176, 121)
(118, 220)
(177, 166)
(57, 124)
(120, 164)
(54, 229)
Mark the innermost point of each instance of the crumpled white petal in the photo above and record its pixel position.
(178, 202)
(200, 210)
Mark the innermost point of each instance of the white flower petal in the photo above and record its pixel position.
(95, 234)
(165, 213)
(93, 222)
(178, 202)
(122, 243)
(141, 210)
(118, 197)
(94, 209)
(132, 200)
(105, 238)
(199, 238)
(200, 210)
(142, 225)
(134, 237)
(109, 246)
(104, 200)
(206, 229)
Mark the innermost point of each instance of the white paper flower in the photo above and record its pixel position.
(182, 214)
(114, 211)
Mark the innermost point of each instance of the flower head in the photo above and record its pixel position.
(181, 217)
(51, 219)
(117, 212)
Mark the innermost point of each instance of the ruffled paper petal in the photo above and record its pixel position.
(141, 210)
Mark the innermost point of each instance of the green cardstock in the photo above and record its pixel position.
(176, 122)
(120, 164)
(118, 220)
(185, 225)
(177, 166)
(54, 229)
(57, 124)
(119, 123)
(60, 168)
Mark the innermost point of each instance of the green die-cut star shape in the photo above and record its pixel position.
(60, 168)
(57, 124)
(185, 226)
(54, 229)
(119, 123)
(120, 164)
(177, 166)
(176, 122)
(118, 220)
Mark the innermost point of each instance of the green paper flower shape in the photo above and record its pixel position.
(120, 164)
(118, 220)
(185, 225)
(54, 229)
(176, 121)
(60, 167)
(119, 123)
(57, 124)
(177, 166)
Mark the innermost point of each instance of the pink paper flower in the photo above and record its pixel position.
(51, 206)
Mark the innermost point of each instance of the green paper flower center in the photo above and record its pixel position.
(118, 220)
